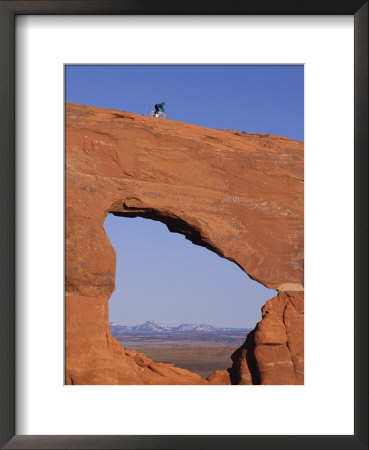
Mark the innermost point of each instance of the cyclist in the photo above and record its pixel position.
(158, 107)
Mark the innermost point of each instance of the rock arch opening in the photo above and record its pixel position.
(175, 302)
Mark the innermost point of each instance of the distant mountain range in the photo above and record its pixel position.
(152, 327)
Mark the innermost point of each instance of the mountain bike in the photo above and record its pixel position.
(158, 114)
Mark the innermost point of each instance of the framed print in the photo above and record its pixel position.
(53, 396)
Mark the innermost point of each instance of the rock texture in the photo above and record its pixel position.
(235, 193)
(274, 352)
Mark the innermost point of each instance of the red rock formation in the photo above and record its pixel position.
(238, 194)
(274, 352)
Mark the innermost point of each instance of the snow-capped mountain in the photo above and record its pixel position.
(192, 327)
(152, 327)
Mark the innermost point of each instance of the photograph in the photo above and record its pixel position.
(184, 224)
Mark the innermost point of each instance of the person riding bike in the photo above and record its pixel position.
(158, 107)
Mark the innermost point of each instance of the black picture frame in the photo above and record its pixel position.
(8, 11)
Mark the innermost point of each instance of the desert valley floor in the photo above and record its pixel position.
(201, 353)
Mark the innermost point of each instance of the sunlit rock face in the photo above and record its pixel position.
(238, 194)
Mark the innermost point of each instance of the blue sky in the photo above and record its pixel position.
(162, 276)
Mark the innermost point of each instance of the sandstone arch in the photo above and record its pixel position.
(238, 194)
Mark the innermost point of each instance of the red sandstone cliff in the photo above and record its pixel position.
(238, 194)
